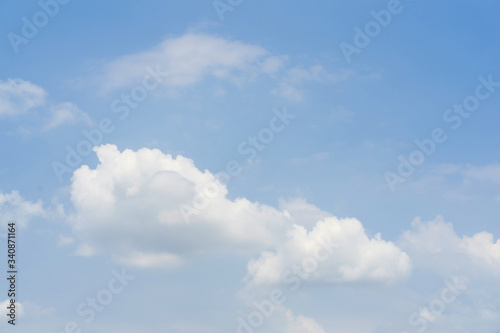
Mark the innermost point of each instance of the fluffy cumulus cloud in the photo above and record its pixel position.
(19, 97)
(189, 59)
(435, 245)
(299, 211)
(14, 208)
(436, 248)
(130, 206)
(334, 251)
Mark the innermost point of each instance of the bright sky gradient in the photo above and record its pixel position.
(235, 140)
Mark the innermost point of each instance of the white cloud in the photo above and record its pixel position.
(354, 257)
(462, 183)
(66, 113)
(291, 85)
(142, 260)
(14, 208)
(34, 310)
(65, 240)
(18, 96)
(19, 308)
(268, 317)
(128, 207)
(189, 59)
(85, 250)
(435, 245)
(487, 173)
(299, 211)
(273, 64)
(284, 320)
(25, 310)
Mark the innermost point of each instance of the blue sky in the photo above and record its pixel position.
(331, 131)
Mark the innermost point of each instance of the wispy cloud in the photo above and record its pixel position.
(26, 101)
(194, 57)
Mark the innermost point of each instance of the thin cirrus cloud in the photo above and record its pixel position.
(291, 85)
(18, 97)
(486, 173)
(474, 181)
(66, 113)
(24, 100)
(189, 59)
